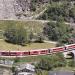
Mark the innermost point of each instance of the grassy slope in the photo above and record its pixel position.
(30, 25)
(33, 26)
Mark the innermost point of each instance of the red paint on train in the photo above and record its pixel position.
(25, 53)
(5, 53)
(13, 53)
(71, 47)
(34, 52)
(44, 51)
(58, 49)
(19, 53)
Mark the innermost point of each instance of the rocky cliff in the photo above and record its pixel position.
(17, 9)
(14, 9)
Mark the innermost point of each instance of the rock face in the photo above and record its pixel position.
(17, 9)
(14, 9)
(7, 9)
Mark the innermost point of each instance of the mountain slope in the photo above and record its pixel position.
(18, 9)
(7, 9)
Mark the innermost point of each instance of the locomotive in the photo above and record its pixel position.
(38, 52)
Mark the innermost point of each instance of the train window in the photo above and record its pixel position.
(34, 52)
(18, 53)
(5, 54)
(58, 49)
(71, 47)
(12, 53)
(44, 52)
(0, 53)
(25, 53)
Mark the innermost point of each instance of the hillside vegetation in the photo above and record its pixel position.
(64, 9)
(32, 26)
(27, 32)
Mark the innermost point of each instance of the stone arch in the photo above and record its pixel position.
(71, 54)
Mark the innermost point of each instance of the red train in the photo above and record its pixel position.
(38, 52)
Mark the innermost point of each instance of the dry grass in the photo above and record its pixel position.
(64, 69)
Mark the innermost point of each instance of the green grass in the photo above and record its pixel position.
(32, 58)
(33, 26)
(65, 68)
(43, 72)
(28, 59)
(8, 46)
(1, 35)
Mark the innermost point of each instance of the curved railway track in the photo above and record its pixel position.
(37, 52)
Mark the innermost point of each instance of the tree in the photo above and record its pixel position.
(45, 63)
(72, 12)
(58, 31)
(66, 9)
(51, 31)
(32, 7)
(59, 60)
(64, 39)
(52, 61)
(14, 66)
(71, 63)
(16, 34)
(39, 38)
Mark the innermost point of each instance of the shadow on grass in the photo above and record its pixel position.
(15, 43)
(38, 41)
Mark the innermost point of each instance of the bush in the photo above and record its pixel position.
(55, 10)
(39, 38)
(33, 7)
(71, 63)
(52, 61)
(45, 64)
(58, 31)
(16, 34)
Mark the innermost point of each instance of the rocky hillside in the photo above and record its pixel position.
(18, 9)
(13, 9)
(7, 9)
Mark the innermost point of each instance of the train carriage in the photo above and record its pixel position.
(39, 51)
(58, 49)
(70, 47)
(44, 51)
(25, 53)
(5, 53)
(34, 52)
(12, 53)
